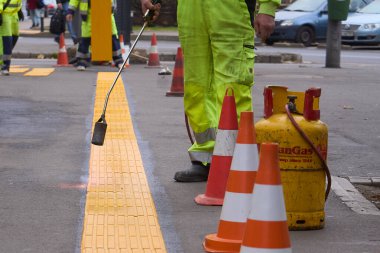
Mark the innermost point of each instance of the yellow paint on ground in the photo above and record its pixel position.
(14, 69)
(40, 72)
(120, 214)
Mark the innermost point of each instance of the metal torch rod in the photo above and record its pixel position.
(122, 67)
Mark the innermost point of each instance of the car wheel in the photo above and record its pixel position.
(305, 35)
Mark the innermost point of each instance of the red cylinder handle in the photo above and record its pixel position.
(309, 113)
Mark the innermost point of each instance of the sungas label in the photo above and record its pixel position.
(297, 150)
(300, 155)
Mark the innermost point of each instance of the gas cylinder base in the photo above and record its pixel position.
(306, 221)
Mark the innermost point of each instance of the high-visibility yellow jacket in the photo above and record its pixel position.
(13, 7)
(82, 5)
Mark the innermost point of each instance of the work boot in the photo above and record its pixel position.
(198, 172)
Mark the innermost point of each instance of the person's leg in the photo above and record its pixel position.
(116, 50)
(232, 40)
(32, 17)
(1, 49)
(6, 31)
(15, 30)
(65, 7)
(198, 94)
(83, 53)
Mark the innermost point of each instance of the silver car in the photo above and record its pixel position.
(363, 28)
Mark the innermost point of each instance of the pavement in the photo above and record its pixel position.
(48, 174)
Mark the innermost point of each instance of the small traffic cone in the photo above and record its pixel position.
(176, 90)
(124, 49)
(62, 59)
(267, 229)
(238, 198)
(222, 155)
(154, 59)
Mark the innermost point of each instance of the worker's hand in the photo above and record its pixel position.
(59, 6)
(69, 17)
(20, 15)
(147, 5)
(264, 26)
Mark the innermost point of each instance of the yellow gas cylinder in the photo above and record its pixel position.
(303, 172)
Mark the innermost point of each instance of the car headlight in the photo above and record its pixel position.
(287, 23)
(369, 27)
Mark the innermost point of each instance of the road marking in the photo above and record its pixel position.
(40, 72)
(120, 215)
(352, 197)
(14, 70)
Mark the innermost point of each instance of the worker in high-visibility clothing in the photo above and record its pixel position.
(217, 38)
(83, 53)
(9, 15)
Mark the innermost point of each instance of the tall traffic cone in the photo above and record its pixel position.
(124, 49)
(238, 198)
(267, 229)
(222, 155)
(176, 89)
(154, 59)
(62, 59)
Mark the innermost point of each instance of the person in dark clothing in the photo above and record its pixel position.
(35, 13)
(64, 5)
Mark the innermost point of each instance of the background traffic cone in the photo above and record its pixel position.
(238, 198)
(176, 89)
(154, 59)
(266, 228)
(62, 59)
(124, 49)
(222, 155)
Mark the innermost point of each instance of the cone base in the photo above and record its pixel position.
(213, 243)
(204, 200)
(174, 94)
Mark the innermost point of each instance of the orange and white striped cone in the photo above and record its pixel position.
(177, 87)
(222, 155)
(154, 59)
(266, 228)
(124, 49)
(238, 198)
(62, 59)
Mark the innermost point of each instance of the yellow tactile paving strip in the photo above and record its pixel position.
(40, 72)
(18, 70)
(120, 215)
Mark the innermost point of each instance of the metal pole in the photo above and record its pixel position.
(333, 44)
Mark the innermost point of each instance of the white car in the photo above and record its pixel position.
(363, 28)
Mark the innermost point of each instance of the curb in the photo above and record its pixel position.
(372, 181)
(140, 56)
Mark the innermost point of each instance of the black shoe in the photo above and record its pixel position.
(56, 39)
(197, 173)
(75, 40)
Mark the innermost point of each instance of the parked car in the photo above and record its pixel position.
(51, 6)
(305, 21)
(363, 28)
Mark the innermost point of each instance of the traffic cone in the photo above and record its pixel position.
(266, 228)
(154, 59)
(124, 49)
(176, 89)
(238, 198)
(222, 155)
(62, 59)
